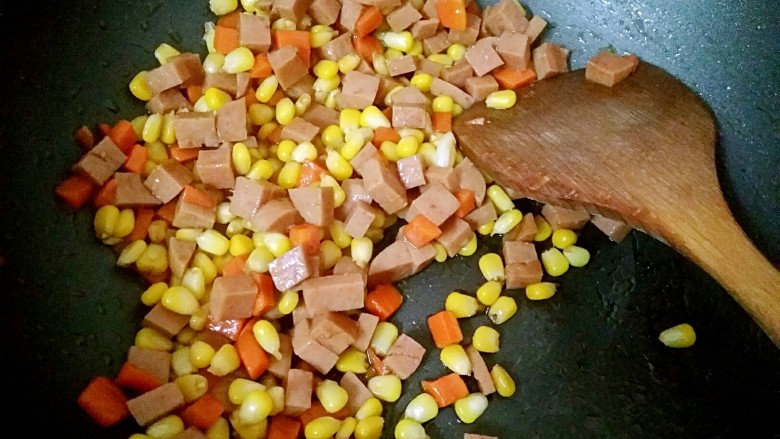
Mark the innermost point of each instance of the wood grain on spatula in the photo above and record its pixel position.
(643, 151)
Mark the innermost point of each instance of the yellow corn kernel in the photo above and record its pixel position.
(260, 259)
(442, 58)
(492, 267)
(255, 407)
(372, 117)
(278, 243)
(461, 305)
(372, 407)
(192, 386)
(443, 104)
(242, 161)
(131, 253)
(457, 110)
(384, 336)
(157, 231)
(213, 242)
(247, 431)
(150, 338)
(260, 170)
(501, 100)
(422, 81)
(505, 385)
(361, 250)
(186, 336)
(226, 360)
(168, 133)
(375, 234)
(322, 87)
(213, 62)
(354, 141)
(338, 165)
(379, 63)
(471, 407)
(268, 338)
(105, 221)
(220, 429)
(124, 223)
(154, 293)
(470, 248)
(154, 259)
(454, 357)
(543, 229)
(422, 408)
(500, 199)
(277, 396)
(152, 128)
(507, 221)
(285, 111)
(339, 196)
(679, 336)
(179, 300)
(216, 98)
(138, 125)
(330, 253)
(441, 252)
(349, 62)
(577, 256)
(352, 360)
(303, 152)
(392, 54)
(332, 396)
(322, 428)
(139, 88)
(489, 292)
(302, 104)
(288, 301)
(200, 318)
(390, 150)
(456, 51)
(157, 152)
(164, 52)
(502, 309)
(166, 427)
(407, 146)
(369, 428)
(260, 114)
(180, 361)
(206, 265)
(285, 149)
(222, 7)
(349, 119)
(540, 290)
(385, 387)
(239, 60)
(486, 339)
(417, 48)
(554, 262)
(409, 429)
(326, 69)
(266, 89)
(333, 137)
(563, 238)
(339, 236)
(289, 175)
(320, 38)
(201, 354)
(347, 428)
(241, 245)
(239, 388)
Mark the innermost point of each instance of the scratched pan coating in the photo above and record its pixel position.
(587, 361)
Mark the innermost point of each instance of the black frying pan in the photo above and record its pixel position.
(587, 362)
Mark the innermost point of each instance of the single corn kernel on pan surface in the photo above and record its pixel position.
(587, 361)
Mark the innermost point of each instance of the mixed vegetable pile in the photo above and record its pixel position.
(252, 195)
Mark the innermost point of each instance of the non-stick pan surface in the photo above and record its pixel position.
(587, 362)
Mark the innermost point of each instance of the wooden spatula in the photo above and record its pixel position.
(642, 151)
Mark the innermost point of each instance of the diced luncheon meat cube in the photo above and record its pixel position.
(340, 46)
(290, 269)
(480, 87)
(515, 49)
(520, 275)
(321, 116)
(325, 11)
(410, 117)
(525, 231)
(277, 215)
(429, 9)
(254, 32)
(468, 36)
(214, 167)
(131, 192)
(444, 175)
(616, 230)
(155, 404)
(165, 321)
(565, 218)
(310, 350)
(404, 357)
(385, 187)
(535, 28)
(468, 177)
(288, 67)
(359, 220)
(435, 44)
(191, 215)
(441, 87)
(412, 171)
(430, 67)
(391, 264)
(401, 65)
(305, 85)
(458, 73)
(455, 234)
(421, 257)
(334, 330)
(507, 15)
(291, 9)
(297, 391)
(357, 392)
(481, 215)
(281, 366)
(180, 254)
(174, 73)
(350, 12)
(358, 90)
(249, 196)
(100, 162)
(550, 60)
(299, 131)
(480, 371)
(344, 292)
(409, 96)
(437, 204)
(366, 325)
(403, 17)
(483, 57)
(167, 101)
(608, 69)
(315, 204)
(515, 252)
(194, 130)
(424, 29)
(227, 82)
(232, 297)
(152, 361)
(231, 121)
(168, 179)
(346, 265)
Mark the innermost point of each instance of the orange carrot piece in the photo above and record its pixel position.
(444, 328)
(388, 112)
(104, 128)
(317, 411)
(234, 266)
(376, 363)
(75, 190)
(106, 194)
(194, 92)
(262, 68)
(184, 155)
(124, 136)
(196, 196)
(311, 172)
(369, 21)
(203, 412)
(225, 39)
(307, 235)
(452, 13)
(367, 46)
(421, 231)
(275, 136)
(143, 218)
(284, 427)
(249, 97)
(514, 79)
(446, 390)
(132, 378)
(266, 299)
(300, 39)
(383, 301)
(275, 98)
(136, 159)
(442, 122)
(254, 358)
(167, 211)
(229, 20)
(104, 402)
(467, 202)
(383, 134)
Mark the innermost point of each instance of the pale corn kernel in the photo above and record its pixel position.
(462, 305)
(330, 253)
(283, 24)
(422, 81)
(456, 51)
(220, 429)
(501, 100)
(266, 89)
(138, 124)
(442, 58)
(471, 407)
(304, 152)
(239, 60)
(349, 119)
(288, 301)
(192, 386)
(489, 292)
(454, 357)
(157, 231)
(385, 387)
(441, 252)
(206, 265)
(320, 38)
(194, 280)
(487, 228)
(150, 338)
(407, 146)
(164, 52)
(507, 221)
(289, 175)
(157, 152)
(505, 385)
(201, 105)
(445, 150)
(577, 256)
(331, 99)
(167, 427)
(255, 407)
(213, 62)
(152, 295)
(554, 262)
(498, 196)
(492, 267)
(222, 7)
(339, 235)
(224, 214)
(241, 159)
(389, 96)
(422, 408)
(260, 114)
(339, 196)
(348, 62)
(266, 335)
(332, 396)
(338, 165)
(679, 336)
(470, 248)
(247, 431)
(168, 134)
(372, 117)
(201, 354)
(139, 88)
(260, 170)
(390, 150)
(302, 104)
(502, 309)
(326, 69)
(277, 397)
(130, 254)
(352, 360)
(540, 290)
(403, 41)
(153, 260)
(226, 360)
(443, 104)
(180, 361)
(369, 428)
(361, 250)
(413, 132)
(213, 242)
(216, 98)
(486, 339)
(323, 427)
(266, 129)
(277, 243)
(375, 234)
(457, 110)
(105, 221)
(239, 388)
(379, 63)
(323, 86)
(417, 48)
(186, 336)
(409, 429)
(200, 318)
(259, 260)
(543, 229)
(285, 111)
(372, 407)
(180, 300)
(347, 428)
(391, 53)
(385, 334)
